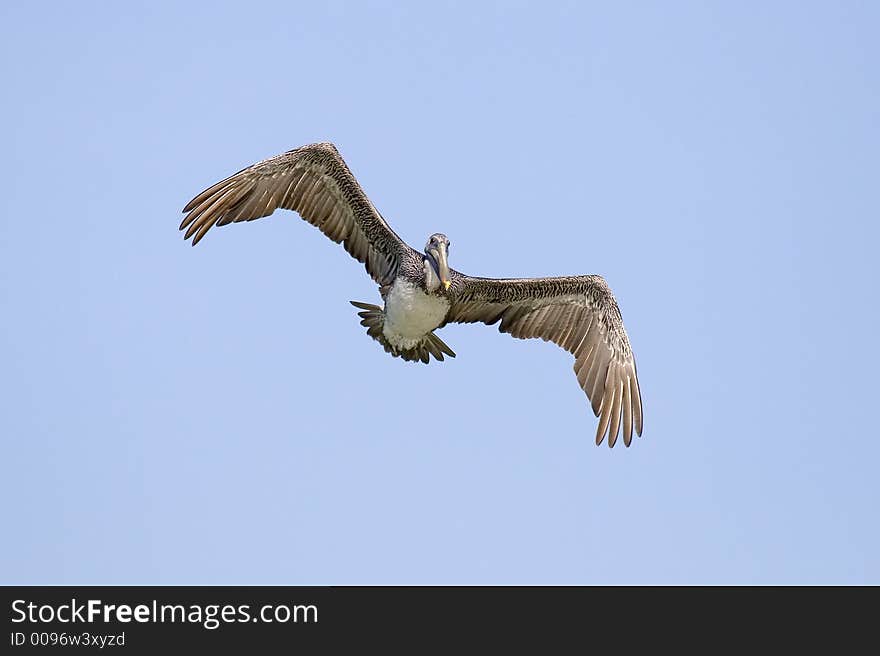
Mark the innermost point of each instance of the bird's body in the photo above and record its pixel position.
(411, 312)
(422, 294)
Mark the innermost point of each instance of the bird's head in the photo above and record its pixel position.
(437, 250)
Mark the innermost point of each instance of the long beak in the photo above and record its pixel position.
(439, 254)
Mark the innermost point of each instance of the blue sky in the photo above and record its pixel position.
(217, 415)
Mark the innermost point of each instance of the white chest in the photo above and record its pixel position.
(410, 314)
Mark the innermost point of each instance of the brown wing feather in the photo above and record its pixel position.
(580, 314)
(315, 182)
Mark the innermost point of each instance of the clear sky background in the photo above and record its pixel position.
(218, 415)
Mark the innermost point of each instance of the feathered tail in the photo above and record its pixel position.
(373, 318)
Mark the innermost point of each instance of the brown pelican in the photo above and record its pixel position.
(421, 293)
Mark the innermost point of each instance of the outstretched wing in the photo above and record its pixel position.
(315, 182)
(579, 314)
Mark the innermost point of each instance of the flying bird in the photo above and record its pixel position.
(421, 293)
